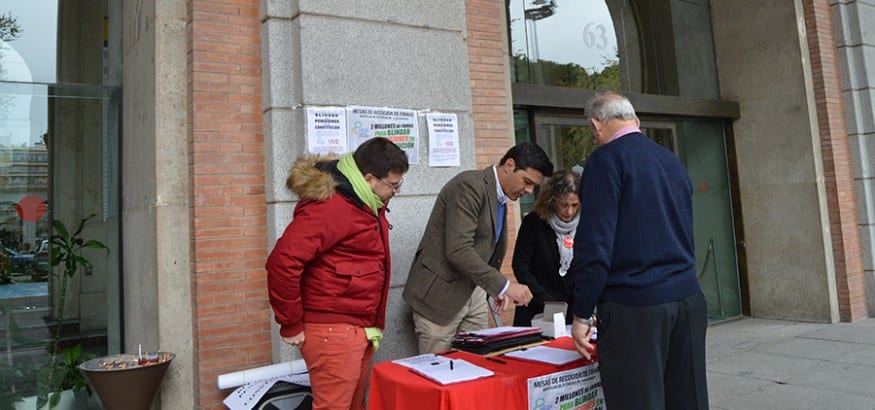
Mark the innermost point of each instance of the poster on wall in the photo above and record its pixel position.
(326, 130)
(396, 124)
(443, 140)
(575, 389)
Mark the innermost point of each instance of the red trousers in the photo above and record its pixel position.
(338, 358)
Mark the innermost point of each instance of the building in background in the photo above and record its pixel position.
(176, 121)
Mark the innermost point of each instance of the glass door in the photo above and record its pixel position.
(700, 146)
(699, 143)
(567, 139)
(568, 142)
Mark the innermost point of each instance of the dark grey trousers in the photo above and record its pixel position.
(653, 357)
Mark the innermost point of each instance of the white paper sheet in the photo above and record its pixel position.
(443, 139)
(326, 130)
(423, 360)
(247, 396)
(226, 381)
(442, 369)
(501, 330)
(546, 354)
(452, 371)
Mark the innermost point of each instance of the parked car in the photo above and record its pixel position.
(43, 247)
(20, 262)
(35, 264)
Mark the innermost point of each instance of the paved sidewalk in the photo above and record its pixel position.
(759, 364)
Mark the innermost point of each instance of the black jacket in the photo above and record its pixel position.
(536, 264)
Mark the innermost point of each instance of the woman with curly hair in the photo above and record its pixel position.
(545, 246)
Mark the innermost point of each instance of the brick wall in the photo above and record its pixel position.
(491, 99)
(229, 234)
(847, 253)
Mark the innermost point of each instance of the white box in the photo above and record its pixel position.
(552, 321)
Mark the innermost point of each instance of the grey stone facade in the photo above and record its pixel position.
(404, 54)
(855, 43)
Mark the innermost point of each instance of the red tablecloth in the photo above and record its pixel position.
(397, 387)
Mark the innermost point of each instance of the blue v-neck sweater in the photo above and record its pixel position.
(634, 242)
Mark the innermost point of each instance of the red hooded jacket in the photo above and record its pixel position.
(332, 264)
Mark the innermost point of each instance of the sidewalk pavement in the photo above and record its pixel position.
(760, 364)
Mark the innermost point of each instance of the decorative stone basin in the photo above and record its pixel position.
(126, 381)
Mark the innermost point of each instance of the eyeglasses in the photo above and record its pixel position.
(395, 187)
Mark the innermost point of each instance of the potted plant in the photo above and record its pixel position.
(66, 251)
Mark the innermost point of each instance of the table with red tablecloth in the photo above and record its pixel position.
(397, 387)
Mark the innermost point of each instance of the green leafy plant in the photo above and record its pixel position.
(66, 251)
(53, 379)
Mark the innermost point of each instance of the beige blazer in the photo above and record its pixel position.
(458, 250)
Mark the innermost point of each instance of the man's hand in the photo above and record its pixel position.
(581, 333)
(518, 293)
(296, 340)
(502, 304)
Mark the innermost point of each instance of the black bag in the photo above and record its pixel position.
(286, 396)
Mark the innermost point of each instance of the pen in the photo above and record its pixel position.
(451, 365)
(495, 360)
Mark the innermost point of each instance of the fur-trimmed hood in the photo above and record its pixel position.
(314, 177)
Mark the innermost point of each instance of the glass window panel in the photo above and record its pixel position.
(521, 134)
(58, 162)
(564, 43)
(28, 34)
(51, 41)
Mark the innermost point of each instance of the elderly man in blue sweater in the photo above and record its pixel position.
(634, 261)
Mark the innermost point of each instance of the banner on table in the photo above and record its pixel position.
(575, 389)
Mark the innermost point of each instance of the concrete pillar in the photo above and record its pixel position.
(155, 208)
(763, 61)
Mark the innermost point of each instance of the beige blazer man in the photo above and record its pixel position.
(458, 250)
(456, 264)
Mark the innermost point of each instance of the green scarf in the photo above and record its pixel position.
(350, 170)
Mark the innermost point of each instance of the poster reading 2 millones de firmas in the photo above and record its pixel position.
(396, 124)
(575, 389)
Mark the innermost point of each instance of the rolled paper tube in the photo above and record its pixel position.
(229, 380)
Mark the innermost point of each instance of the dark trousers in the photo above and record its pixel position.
(653, 357)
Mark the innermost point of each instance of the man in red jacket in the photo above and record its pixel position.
(328, 275)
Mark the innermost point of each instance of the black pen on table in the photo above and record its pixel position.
(451, 365)
(490, 358)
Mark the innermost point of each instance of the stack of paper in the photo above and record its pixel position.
(495, 339)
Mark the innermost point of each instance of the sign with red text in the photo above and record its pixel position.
(443, 139)
(326, 130)
(398, 125)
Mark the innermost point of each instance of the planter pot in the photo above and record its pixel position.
(122, 384)
(69, 401)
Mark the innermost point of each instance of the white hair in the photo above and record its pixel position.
(609, 106)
